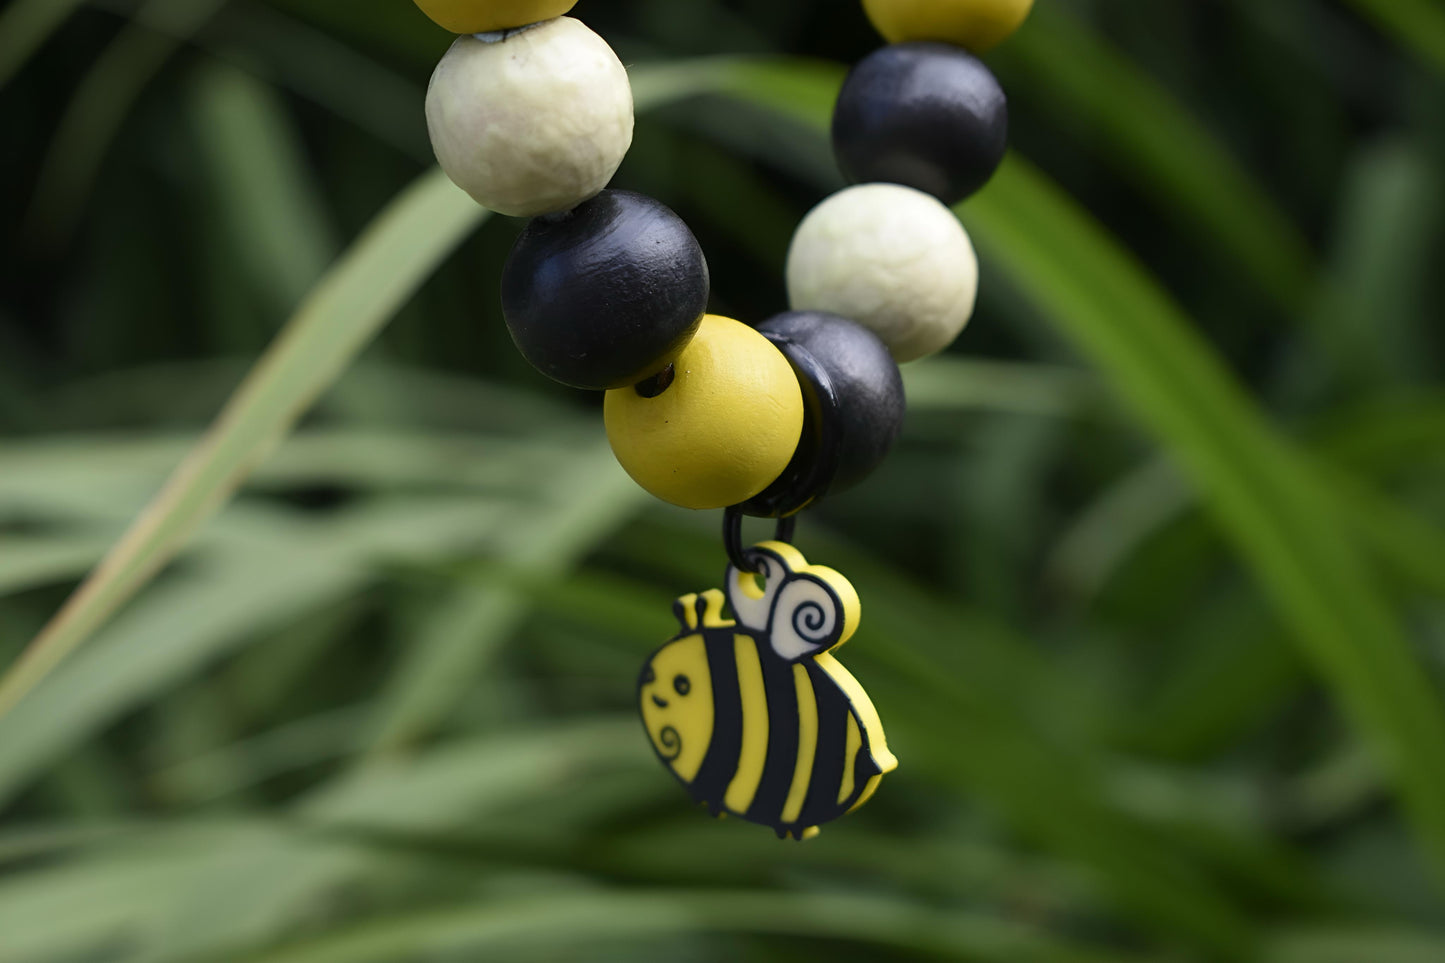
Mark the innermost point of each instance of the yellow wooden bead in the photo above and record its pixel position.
(722, 431)
(975, 24)
(490, 16)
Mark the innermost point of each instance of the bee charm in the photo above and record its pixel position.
(755, 717)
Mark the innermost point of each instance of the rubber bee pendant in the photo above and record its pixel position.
(755, 717)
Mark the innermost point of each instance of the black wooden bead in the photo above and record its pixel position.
(606, 294)
(853, 407)
(926, 115)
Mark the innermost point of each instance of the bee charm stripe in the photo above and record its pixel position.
(727, 734)
(782, 702)
(868, 787)
(821, 804)
(754, 749)
(863, 706)
(850, 760)
(807, 744)
(755, 717)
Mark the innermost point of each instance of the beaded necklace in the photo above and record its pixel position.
(531, 113)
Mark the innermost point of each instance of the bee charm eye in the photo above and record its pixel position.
(681, 685)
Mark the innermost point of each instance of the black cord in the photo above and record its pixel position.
(733, 537)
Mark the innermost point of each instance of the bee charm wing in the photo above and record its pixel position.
(755, 717)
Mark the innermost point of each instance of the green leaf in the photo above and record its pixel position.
(950, 383)
(1411, 545)
(198, 885)
(30, 561)
(321, 67)
(1268, 497)
(88, 476)
(1108, 532)
(100, 105)
(360, 293)
(25, 25)
(1376, 297)
(455, 783)
(590, 497)
(1418, 25)
(260, 187)
(561, 920)
(1353, 945)
(283, 569)
(246, 763)
(1163, 150)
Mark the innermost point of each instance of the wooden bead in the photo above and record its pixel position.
(891, 258)
(488, 16)
(719, 428)
(606, 294)
(853, 405)
(975, 24)
(535, 123)
(927, 115)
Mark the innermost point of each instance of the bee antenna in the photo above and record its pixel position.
(680, 612)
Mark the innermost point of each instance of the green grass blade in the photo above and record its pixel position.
(27, 842)
(490, 929)
(1409, 544)
(947, 383)
(1166, 152)
(1105, 535)
(30, 561)
(260, 186)
(168, 893)
(323, 68)
(98, 110)
(99, 897)
(75, 477)
(283, 570)
(1374, 302)
(1271, 503)
(246, 763)
(356, 298)
(1417, 25)
(456, 783)
(24, 26)
(1353, 945)
(592, 499)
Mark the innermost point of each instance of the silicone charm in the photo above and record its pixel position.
(716, 426)
(927, 115)
(891, 258)
(975, 24)
(853, 406)
(485, 16)
(756, 717)
(607, 294)
(534, 123)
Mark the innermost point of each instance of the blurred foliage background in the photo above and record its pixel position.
(1153, 585)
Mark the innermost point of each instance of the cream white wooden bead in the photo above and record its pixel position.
(891, 258)
(533, 123)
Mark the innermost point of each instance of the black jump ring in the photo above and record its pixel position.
(733, 536)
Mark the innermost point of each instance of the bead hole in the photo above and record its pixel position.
(657, 384)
